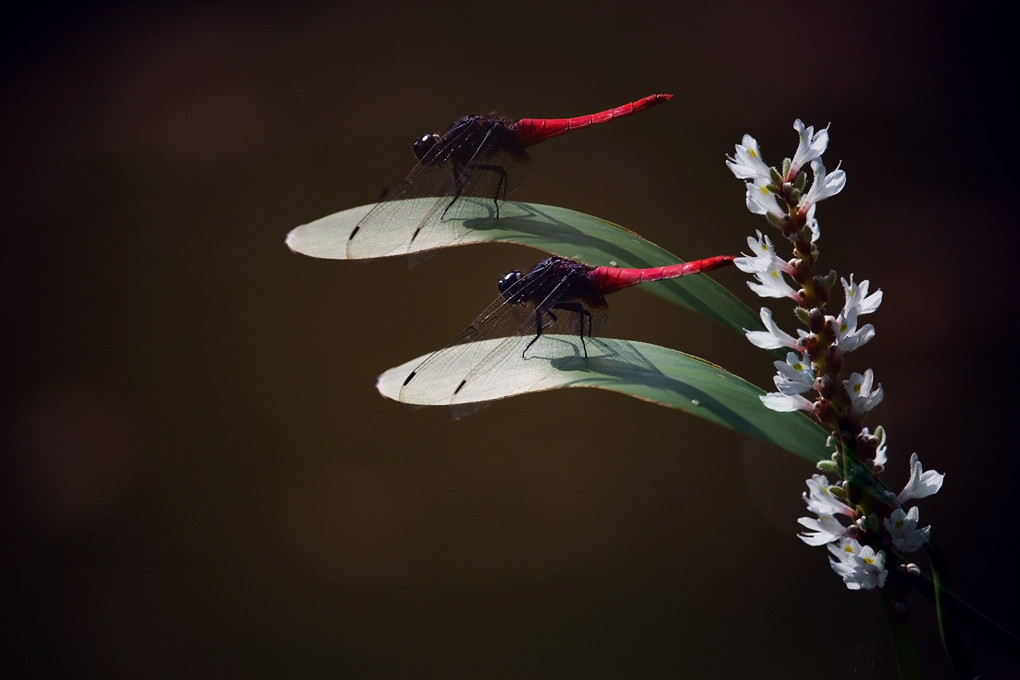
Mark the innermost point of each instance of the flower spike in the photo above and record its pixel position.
(860, 521)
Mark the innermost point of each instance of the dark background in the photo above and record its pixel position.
(199, 478)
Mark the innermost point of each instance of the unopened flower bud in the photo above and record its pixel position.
(774, 175)
(830, 279)
(911, 569)
(828, 466)
(800, 181)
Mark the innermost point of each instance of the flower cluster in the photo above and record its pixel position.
(862, 523)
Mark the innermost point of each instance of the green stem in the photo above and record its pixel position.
(948, 609)
(908, 659)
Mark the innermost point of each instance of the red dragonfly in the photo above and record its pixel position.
(484, 153)
(557, 296)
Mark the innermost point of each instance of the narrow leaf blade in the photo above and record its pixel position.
(558, 231)
(649, 372)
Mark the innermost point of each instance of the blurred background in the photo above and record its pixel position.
(199, 478)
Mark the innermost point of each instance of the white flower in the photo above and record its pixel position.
(771, 284)
(858, 302)
(902, 528)
(784, 403)
(767, 267)
(826, 529)
(795, 377)
(859, 388)
(812, 223)
(849, 337)
(773, 338)
(857, 298)
(811, 145)
(761, 201)
(860, 566)
(821, 500)
(763, 256)
(823, 185)
(747, 163)
(795, 374)
(921, 484)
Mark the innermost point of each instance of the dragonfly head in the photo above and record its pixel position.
(424, 144)
(507, 284)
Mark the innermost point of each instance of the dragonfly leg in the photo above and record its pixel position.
(461, 177)
(500, 194)
(582, 312)
(538, 328)
(576, 308)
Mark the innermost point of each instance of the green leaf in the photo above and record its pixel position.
(558, 231)
(452, 377)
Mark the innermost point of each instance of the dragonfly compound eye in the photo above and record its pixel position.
(425, 144)
(507, 283)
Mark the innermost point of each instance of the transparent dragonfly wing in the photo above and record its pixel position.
(451, 202)
(483, 371)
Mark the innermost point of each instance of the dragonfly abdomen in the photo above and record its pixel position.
(611, 279)
(534, 130)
